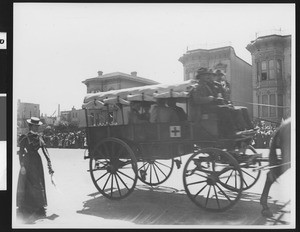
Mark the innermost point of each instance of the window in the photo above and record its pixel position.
(279, 69)
(271, 69)
(264, 74)
(272, 102)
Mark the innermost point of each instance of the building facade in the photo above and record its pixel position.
(26, 111)
(271, 76)
(238, 72)
(75, 116)
(115, 80)
(107, 82)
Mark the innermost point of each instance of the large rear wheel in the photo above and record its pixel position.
(113, 168)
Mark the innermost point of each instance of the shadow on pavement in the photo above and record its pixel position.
(168, 206)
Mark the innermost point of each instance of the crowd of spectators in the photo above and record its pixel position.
(76, 139)
(264, 134)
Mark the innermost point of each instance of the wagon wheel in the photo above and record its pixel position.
(213, 179)
(113, 168)
(154, 172)
(250, 177)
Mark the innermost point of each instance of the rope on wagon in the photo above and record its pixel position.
(259, 104)
(267, 167)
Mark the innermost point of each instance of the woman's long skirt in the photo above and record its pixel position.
(31, 192)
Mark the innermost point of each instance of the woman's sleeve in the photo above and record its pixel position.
(47, 156)
(22, 150)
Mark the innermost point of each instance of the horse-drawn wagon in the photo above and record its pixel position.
(120, 153)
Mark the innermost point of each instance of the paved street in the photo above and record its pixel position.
(76, 203)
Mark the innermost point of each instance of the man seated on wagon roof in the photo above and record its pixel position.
(241, 113)
(207, 94)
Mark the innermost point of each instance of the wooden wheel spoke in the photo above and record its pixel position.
(229, 177)
(106, 181)
(118, 185)
(112, 185)
(235, 180)
(156, 173)
(198, 174)
(144, 164)
(207, 197)
(147, 167)
(245, 182)
(197, 182)
(223, 192)
(199, 191)
(227, 186)
(150, 173)
(122, 181)
(216, 197)
(248, 174)
(160, 170)
(102, 176)
(162, 164)
(125, 175)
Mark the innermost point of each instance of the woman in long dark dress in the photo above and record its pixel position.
(31, 191)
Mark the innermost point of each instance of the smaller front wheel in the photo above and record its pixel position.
(249, 164)
(213, 179)
(154, 172)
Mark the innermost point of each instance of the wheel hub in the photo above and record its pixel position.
(212, 179)
(112, 169)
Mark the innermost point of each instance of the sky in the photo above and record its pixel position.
(58, 45)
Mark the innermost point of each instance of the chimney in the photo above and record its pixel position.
(134, 73)
(100, 73)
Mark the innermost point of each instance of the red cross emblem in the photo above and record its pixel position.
(175, 131)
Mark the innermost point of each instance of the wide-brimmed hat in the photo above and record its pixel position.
(34, 121)
(203, 71)
(218, 72)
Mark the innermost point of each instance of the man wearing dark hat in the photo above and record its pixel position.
(207, 94)
(220, 80)
(241, 113)
(31, 192)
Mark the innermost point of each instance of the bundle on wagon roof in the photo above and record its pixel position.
(144, 93)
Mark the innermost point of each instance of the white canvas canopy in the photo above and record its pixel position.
(142, 93)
